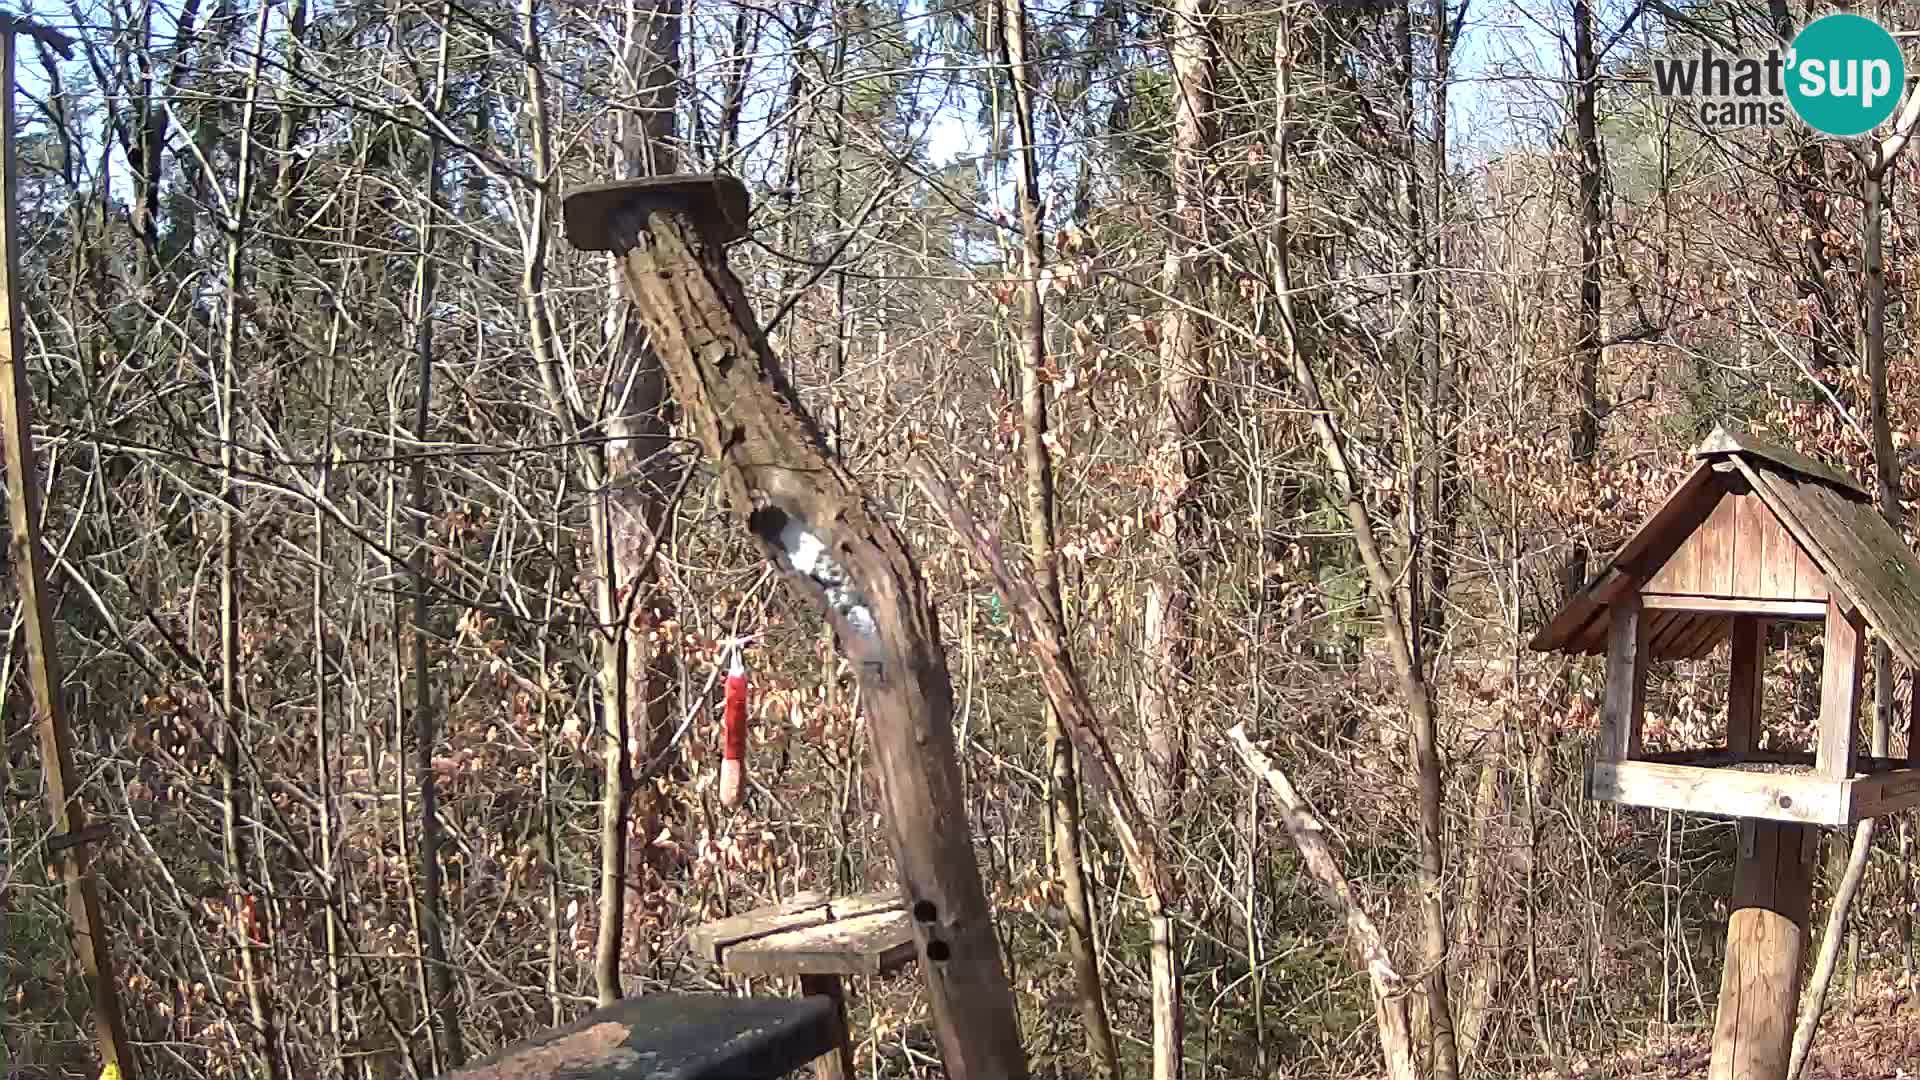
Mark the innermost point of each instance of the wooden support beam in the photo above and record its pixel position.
(1721, 792)
(836, 1064)
(1627, 649)
(1733, 605)
(91, 938)
(1760, 983)
(1840, 674)
(843, 558)
(1744, 697)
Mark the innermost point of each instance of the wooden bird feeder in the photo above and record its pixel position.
(1753, 535)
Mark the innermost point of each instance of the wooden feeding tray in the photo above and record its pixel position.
(1774, 785)
(817, 940)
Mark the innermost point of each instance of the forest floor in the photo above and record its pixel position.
(1876, 1038)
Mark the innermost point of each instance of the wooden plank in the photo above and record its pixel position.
(1766, 935)
(1662, 629)
(1887, 793)
(1592, 640)
(1805, 798)
(1699, 639)
(1808, 582)
(846, 907)
(1697, 759)
(1725, 441)
(1744, 695)
(1769, 554)
(1716, 547)
(863, 945)
(711, 940)
(1577, 617)
(1840, 672)
(1717, 631)
(1735, 605)
(1698, 555)
(1626, 692)
(1863, 764)
(1679, 573)
(671, 1037)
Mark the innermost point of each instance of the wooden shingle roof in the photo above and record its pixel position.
(1867, 566)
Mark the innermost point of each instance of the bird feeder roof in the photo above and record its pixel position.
(1867, 567)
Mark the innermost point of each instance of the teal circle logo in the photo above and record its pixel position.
(1845, 74)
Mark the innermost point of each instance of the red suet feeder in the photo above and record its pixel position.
(733, 746)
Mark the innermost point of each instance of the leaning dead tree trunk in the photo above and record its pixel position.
(1303, 827)
(840, 556)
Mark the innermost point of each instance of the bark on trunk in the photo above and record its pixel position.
(262, 1039)
(1586, 333)
(443, 1007)
(1178, 461)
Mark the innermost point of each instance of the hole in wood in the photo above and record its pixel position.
(938, 952)
(924, 911)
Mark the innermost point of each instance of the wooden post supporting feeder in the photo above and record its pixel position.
(839, 554)
(1755, 534)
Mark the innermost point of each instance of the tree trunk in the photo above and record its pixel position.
(28, 558)
(444, 1009)
(1804, 179)
(1437, 361)
(1586, 333)
(1414, 691)
(1140, 837)
(1178, 460)
(631, 519)
(1177, 470)
(263, 1040)
(1064, 807)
